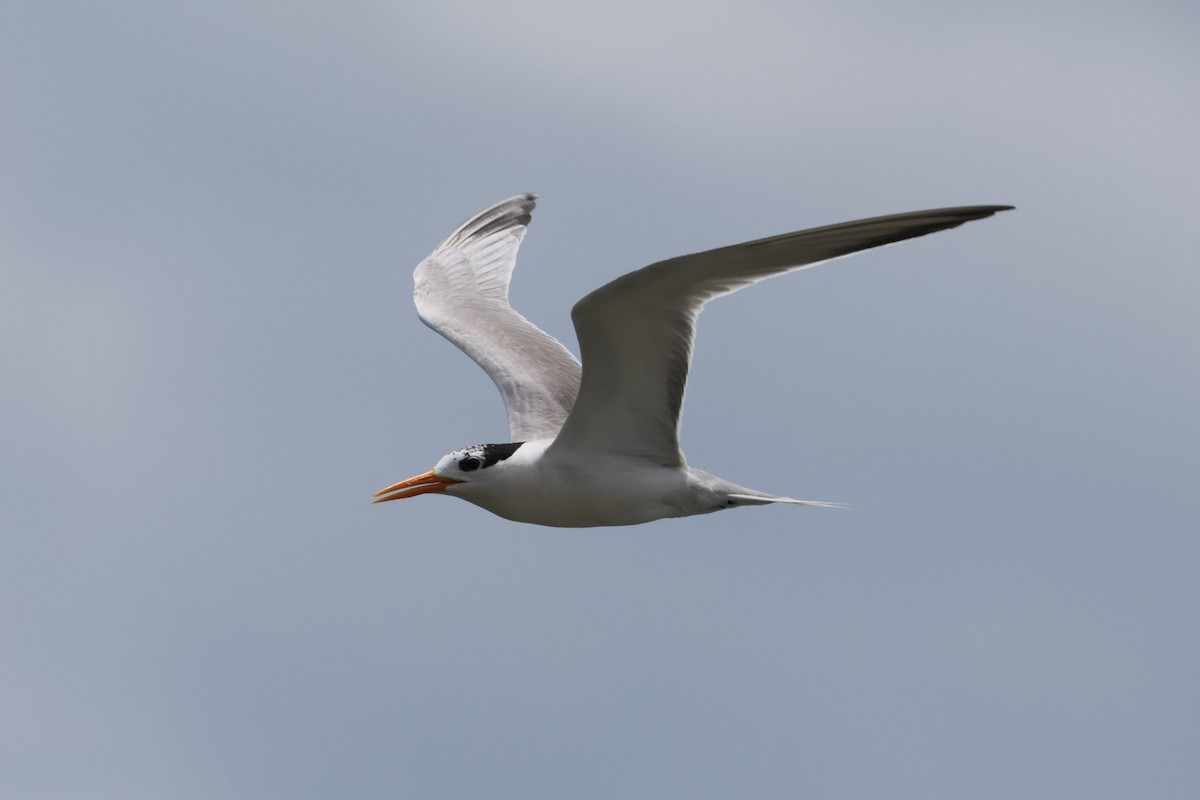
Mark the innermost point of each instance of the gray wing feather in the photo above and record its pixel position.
(636, 333)
(461, 291)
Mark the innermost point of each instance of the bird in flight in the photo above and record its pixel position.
(598, 443)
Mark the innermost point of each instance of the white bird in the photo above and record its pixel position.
(598, 444)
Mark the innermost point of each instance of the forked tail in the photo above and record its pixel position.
(758, 500)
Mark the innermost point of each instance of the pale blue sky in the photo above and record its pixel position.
(209, 216)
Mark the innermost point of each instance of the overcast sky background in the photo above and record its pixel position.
(209, 217)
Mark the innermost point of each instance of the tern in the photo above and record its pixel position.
(598, 443)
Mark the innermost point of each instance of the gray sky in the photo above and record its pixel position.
(210, 214)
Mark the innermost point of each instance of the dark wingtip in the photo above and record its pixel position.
(515, 211)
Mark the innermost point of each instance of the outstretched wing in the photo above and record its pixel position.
(461, 291)
(636, 333)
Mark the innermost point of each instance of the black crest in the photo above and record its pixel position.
(482, 456)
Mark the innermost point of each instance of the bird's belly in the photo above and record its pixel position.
(584, 501)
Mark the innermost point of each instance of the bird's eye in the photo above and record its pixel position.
(469, 463)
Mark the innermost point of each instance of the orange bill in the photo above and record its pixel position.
(424, 483)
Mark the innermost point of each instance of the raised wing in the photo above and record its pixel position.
(461, 291)
(636, 333)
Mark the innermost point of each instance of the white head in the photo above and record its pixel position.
(463, 466)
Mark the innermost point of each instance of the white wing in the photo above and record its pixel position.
(636, 333)
(461, 291)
